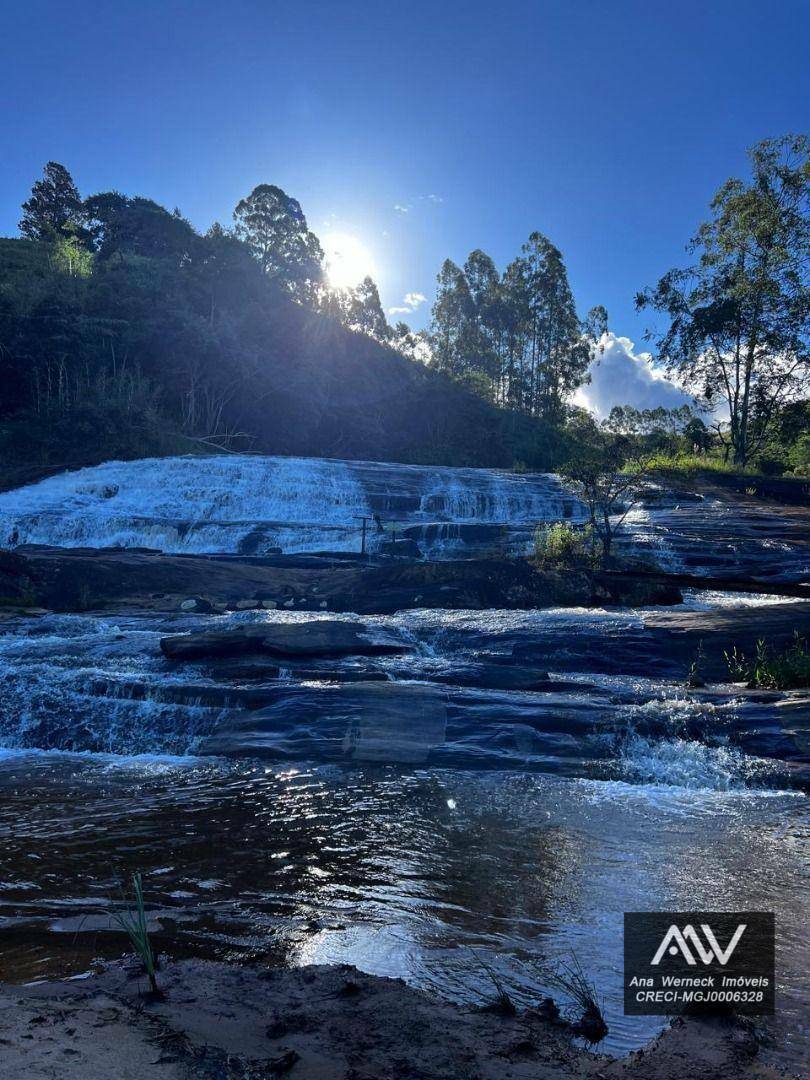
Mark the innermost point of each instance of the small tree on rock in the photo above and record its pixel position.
(609, 474)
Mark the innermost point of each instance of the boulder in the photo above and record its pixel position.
(322, 638)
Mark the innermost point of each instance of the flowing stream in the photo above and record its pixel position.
(517, 828)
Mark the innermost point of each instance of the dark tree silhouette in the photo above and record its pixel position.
(55, 206)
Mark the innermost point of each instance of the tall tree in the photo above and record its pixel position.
(739, 317)
(366, 312)
(559, 356)
(450, 319)
(55, 206)
(483, 283)
(273, 226)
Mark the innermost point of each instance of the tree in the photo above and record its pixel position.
(273, 226)
(366, 313)
(450, 319)
(740, 316)
(119, 223)
(55, 206)
(515, 339)
(609, 473)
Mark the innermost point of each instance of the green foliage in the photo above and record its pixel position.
(610, 474)
(738, 317)
(273, 226)
(54, 208)
(770, 669)
(563, 546)
(685, 464)
(118, 224)
(515, 339)
(133, 922)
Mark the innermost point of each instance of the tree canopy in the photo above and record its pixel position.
(273, 226)
(55, 206)
(739, 316)
(515, 336)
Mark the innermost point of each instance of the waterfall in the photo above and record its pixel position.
(256, 504)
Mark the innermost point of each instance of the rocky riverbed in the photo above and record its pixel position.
(409, 765)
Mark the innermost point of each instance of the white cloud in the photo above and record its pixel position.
(411, 302)
(432, 198)
(621, 376)
(401, 209)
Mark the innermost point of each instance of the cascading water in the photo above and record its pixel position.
(542, 796)
(252, 505)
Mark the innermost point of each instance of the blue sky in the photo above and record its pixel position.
(605, 125)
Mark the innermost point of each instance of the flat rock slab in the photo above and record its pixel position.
(316, 638)
(372, 721)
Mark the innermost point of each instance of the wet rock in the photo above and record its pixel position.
(323, 638)
(18, 584)
(367, 721)
(499, 677)
(197, 604)
(401, 549)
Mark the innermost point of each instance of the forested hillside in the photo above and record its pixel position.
(126, 333)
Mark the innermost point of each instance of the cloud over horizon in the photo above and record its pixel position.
(411, 301)
(622, 376)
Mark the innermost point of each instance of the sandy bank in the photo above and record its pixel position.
(317, 1023)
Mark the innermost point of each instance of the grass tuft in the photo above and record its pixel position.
(769, 669)
(132, 920)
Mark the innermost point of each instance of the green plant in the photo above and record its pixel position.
(690, 465)
(563, 546)
(694, 678)
(132, 920)
(770, 669)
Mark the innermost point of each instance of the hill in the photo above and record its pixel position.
(178, 349)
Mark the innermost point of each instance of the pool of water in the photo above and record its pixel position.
(429, 874)
(516, 844)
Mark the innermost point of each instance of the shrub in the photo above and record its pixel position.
(564, 546)
(769, 669)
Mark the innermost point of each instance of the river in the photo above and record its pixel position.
(517, 835)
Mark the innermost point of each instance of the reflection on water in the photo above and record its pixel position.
(615, 789)
(391, 870)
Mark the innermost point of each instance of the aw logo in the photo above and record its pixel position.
(678, 941)
(700, 962)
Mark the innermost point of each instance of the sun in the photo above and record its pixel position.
(348, 261)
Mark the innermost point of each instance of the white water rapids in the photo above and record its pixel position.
(251, 505)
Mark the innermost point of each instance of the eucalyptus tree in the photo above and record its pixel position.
(275, 229)
(365, 311)
(450, 320)
(739, 316)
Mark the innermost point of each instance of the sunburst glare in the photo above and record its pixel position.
(348, 261)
